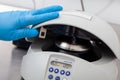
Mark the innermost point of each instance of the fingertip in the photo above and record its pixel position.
(33, 33)
(55, 14)
(55, 8)
(29, 33)
(58, 7)
(47, 9)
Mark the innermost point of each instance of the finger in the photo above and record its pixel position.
(23, 33)
(47, 10)
(32, 20)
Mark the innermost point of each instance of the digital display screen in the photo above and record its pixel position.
(60, 64)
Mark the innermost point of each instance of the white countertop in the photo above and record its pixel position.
(10, 61)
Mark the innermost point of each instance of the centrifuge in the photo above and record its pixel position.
(76, 46)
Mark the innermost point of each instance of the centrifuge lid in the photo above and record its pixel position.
(90, 23)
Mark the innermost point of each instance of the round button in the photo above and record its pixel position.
(50, 76)
(67, 73)
(56, 70)
(62, 72)
(51, 69)
(57, 78)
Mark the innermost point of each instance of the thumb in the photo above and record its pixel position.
(24, 33)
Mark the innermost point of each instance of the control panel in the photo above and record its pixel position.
(59, 69)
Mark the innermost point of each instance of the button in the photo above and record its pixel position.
(67, 73)
(56, 71)
(57, 78)
(62, 72)
(50, 76)
(51, 69)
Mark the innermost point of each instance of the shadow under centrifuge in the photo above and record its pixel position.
(15, 63)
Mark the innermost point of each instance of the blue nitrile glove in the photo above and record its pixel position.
(13, 24)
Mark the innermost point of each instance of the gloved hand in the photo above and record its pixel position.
(13, 24)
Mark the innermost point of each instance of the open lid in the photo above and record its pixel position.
(91, 24)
